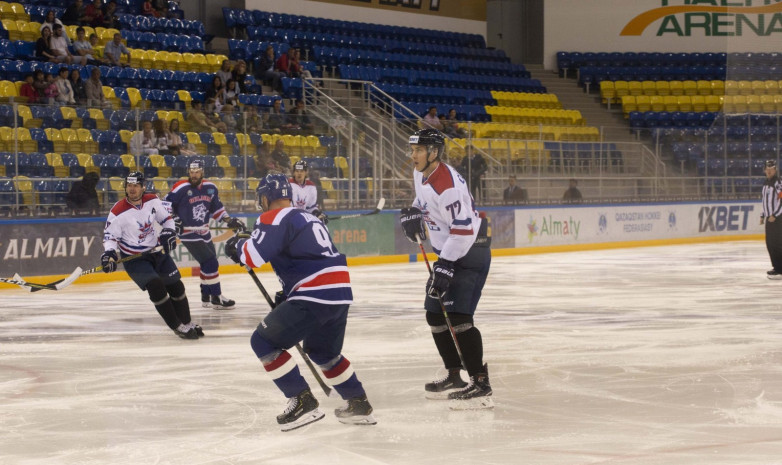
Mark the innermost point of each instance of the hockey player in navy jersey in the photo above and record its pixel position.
(193, 202)
(305, 194)
(443, 206)
(129, 230)
(312, 307)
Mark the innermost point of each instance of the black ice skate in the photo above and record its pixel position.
(477, 394)
(186, 331)
(301, 410)
(439, 389)
(773, 274)
(205, 302)
(356, 412)
(198, 329)
(219, 302)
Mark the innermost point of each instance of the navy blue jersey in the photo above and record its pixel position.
(194, 206)
(300, 250)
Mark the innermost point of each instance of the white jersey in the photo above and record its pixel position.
(305, 196)
(130, 229)
(449, 211)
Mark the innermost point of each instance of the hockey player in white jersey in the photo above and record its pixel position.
(444, 207)
(129, 230)
(305, 194)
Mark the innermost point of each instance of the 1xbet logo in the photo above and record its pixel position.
(732, 218)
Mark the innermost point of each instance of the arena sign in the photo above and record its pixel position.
(710, 18)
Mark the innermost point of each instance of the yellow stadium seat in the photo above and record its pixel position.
(19, 12)
(607, 91)
(161, 185)
(714, 102)
(657, 103)
(754, 104)
(778, 101)
(683, 103)
(676, 87)
(195, 139)
(643, 103)
(13, 29)
(215, 61)
(71, 139)
(159, 162)
(703, 87)
(55, 161)
(635, 88)
(342, 165)
(69, 113)
(125, 135)
(136, 57)
(649, 88)
(88, 143)
(622, 88)
(129, 161)
(197, 63)
(27, 117)
(134, 97)
(160, 60)
(758, 87)
(731, 87)
(772, 87)
(670, 103)
(767, 104)
(117, 185)
(6, 12)
(745, 87)
(662, 88)
(31, 31)
(100, 122)
(24, 185)
(85, 160)
(691, 88)
(717, 87)
(26, 143)
(225, 163)
(698, 103)
(225, 147)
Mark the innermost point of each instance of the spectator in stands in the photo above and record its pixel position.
(279, 156)
(299, 117)
(50, 91)
(239, 74)
(64, 90)
(83, 48)
(79, 91)
(93, 88)
(303, 73)
(148, 10)
(162, 142)
(283, 63)
(97, 51)
(225, 71)
(43, 50)
(49, 21)
(74, 14)
(277, 120)
(212, 115)
(216, 92)
(144, 142)
(228, 117)
(113, 51)
(83, 198)
(451, 126)
(59, 46)
(110, 18)
(251, 121)
(472, 168)
(266, 72)
(40, 85)
(175, 144)
(27, 90)
(197, 119)
(264, 161)
(161, 7)
(432, 120)
(572, 194)
(93, 13)
(231, 93)
(514, 194)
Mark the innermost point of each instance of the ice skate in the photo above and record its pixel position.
(220, 303)
(439, 389)
(773, 274)
(476, 396)
(205, 301)
(357, 411)
(186, 332)
(301, 410)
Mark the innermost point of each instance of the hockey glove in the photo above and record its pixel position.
(442, 274)
(321, 216)
(109, 261)
(232, 246)
(168, 239)
(236, 224)
(279, 298)
(412, 220)
(178, 225)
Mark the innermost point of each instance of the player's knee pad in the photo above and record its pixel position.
(325, 362)
(176, 290)
(263, 349)
(461, 322)
(157, 291)
(436, 322)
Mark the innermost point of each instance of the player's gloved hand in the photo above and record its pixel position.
(232, 246)
(321, 216)
(168, 239)
(109, 261)
(178, 225)
(236, 224)
(279, 298)
(412, 220)
(442, 274)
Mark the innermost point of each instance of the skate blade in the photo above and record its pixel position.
(442, 395)
(206, 304)
(476, 403)
(304, 420)
(358, 420)
(775, 277)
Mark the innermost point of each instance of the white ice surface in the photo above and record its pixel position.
(666, 355)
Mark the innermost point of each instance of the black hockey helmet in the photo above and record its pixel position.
(300, 165)
(134, 177)
(771, 163)
(431, 138)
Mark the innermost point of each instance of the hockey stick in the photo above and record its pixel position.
(123, 260)
(34, 287)
(303, 354)
(442, 306)
(378, 209)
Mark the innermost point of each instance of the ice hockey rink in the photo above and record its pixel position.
(657, 355)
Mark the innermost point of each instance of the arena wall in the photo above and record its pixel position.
(45, 249)
(660, 26)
